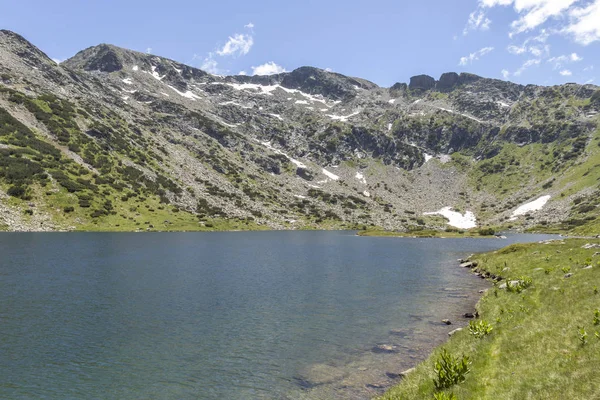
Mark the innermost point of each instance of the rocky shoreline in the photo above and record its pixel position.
(382, 365)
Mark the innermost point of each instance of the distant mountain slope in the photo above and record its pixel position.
(120, 140)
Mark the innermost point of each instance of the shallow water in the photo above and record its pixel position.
(246, 315)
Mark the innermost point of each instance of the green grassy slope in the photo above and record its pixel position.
(545, 339)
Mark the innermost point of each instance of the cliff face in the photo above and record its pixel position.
(110, 134)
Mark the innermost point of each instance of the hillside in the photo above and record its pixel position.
(114, 139)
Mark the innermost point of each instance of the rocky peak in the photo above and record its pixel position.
(447, 81)
(421, 83)
(329, 84)
(23, 49)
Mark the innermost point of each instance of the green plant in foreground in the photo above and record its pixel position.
(595, 289)
(450, 370)
(444, 396)
(480, 328)
(566, 270)
(582, 336)
(597, 317)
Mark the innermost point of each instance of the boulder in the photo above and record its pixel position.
(570, 274)
(407, 372)
(305, 174)
(447, 322)
(469, 315)
(454, 331)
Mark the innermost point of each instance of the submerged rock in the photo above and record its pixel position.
(454, 331)
(447, 322)
(384, 348)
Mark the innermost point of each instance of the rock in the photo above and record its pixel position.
(503, 285)
(469, 264)
(588, 267)
(362, 369)
(469, 315)
(447, 81)
(378, 385)
(407, 372)
(421, 83)
(483, 291)
(570, 274)
(590, 246)
(305, 174)
(454, 331)
(384, 348)
(447, 322)
(393, 375)
(596, 254)
(400, 332)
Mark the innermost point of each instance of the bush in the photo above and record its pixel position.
(480, 328)
(486, 231)
(69, 209)
(444, 396)
(450, 370)
(16, 191)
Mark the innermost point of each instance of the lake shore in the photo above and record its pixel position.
(544, 341)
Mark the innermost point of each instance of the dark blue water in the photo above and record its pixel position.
(237, 315)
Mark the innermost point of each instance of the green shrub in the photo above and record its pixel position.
(69, 209)
(444, 396)
(480, 328)
(450, 370)
(486, 231)
(16, 191)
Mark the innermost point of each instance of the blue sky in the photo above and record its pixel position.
(526, 41)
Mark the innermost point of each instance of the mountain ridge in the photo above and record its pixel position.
(302, 149)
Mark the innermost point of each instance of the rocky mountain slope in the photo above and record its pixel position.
(114, 139)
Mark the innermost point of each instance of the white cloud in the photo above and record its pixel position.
(589, 68)
(564, 59)
(575, 57)
(210, 65)
(268, 68)
(532, 13)
(328, 69)
(577, 18)
(474, 56)
(477, 20)
(242, 73)
(505, 73)
(238, 44)
(565, 72)
(249, 25)
(516, 49)
(56, 60)
(527, 64)
(585, 23)
(149, 50)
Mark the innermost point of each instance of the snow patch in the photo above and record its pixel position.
(392, 101)
(360, 177)
(366, 193)
(188, 94)
(456, 219)
(534, 205)
(156, 74)
(502, 104)
(128, 81)
(390, 126)
(277, 116)
(135, 68)
(427, 157)
(164, 94)
(342, 118)
(416, 101)
(299, 196)
(330, 175)
(276, 151)
(301, 102)
(129, 91)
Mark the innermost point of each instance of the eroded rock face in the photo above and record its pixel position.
(447, 81)
(421, 82)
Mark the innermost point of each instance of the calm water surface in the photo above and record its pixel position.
(239, 315)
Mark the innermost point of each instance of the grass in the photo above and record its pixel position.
(543, 342)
